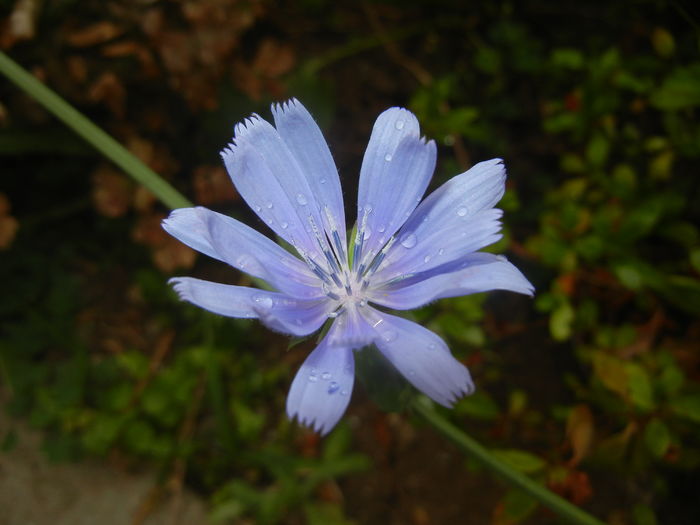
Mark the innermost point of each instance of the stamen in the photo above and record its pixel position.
(337, 243)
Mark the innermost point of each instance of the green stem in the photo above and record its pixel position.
(567, 511)
(109, 147)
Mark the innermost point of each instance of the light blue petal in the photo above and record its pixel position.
(321, 390)
(423, 359)
(242, 247)
(478, 272)
(270, 179)
(396, 170)
(277, 311)
(454, 220)
(451, 239)
(302, 135)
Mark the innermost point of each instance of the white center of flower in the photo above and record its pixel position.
(341, 281)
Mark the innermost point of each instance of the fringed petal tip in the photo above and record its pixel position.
(181, 287)
(320, 427)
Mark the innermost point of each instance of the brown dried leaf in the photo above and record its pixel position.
(273, 59)
(77, 68)
(111, 192)
(94, 34)
(168, 253)
(8, 230)
(109, 90)
(212, 185)
(21, 24)
(579, 431)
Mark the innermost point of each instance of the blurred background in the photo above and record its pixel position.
(114, 393)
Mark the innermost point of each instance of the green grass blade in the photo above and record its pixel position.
(569, 512)
(105, 144)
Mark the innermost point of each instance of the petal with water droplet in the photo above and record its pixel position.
(320, 404)
(424, 360)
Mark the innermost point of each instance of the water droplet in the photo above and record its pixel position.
(284, 225)
(368, 208)
(333, 315)
(362, 303)
(399, 124)
(258, 208)
(333, 387)
(263, 301)
(268, 205)
(326, 376)
(441, 251)
(408, 241)
(243, 261)
(301, 199)
(322, 181)
(426, 258)
(389, 336)
(344, 392)
(382, 229)
(388, 157)
(367, 233)
(313, 378)
(461, 211)
(269, 221)
(432, 346)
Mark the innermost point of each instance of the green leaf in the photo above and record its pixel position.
(383, 383)
(639, 386)
(560, 322)
(680, 90)
(517, 505)
(657, 437)
(479, 406)
(688, 407)
(520, 460)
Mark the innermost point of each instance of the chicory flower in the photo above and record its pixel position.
(405, 253)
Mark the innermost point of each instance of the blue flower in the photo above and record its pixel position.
(405, 253)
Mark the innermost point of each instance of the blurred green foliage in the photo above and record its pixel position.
(593, 391)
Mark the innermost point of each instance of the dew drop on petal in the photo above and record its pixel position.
(426, 258)
(322, 181)
(441, 251)
(399, 124)
(389, 336)
(263, 301)
(258, 208)
(432, 346)
(461, 211)
(313, 378)
(301, 199)
(268, 205)
(408, 241)
(333, 387)
(326, 376)
(344, 392)
(388, 157)
(284, 225)
(381, 229)
(333, 315)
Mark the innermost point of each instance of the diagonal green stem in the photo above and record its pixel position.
(109, 147)
(567, 511)
(172, 198)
